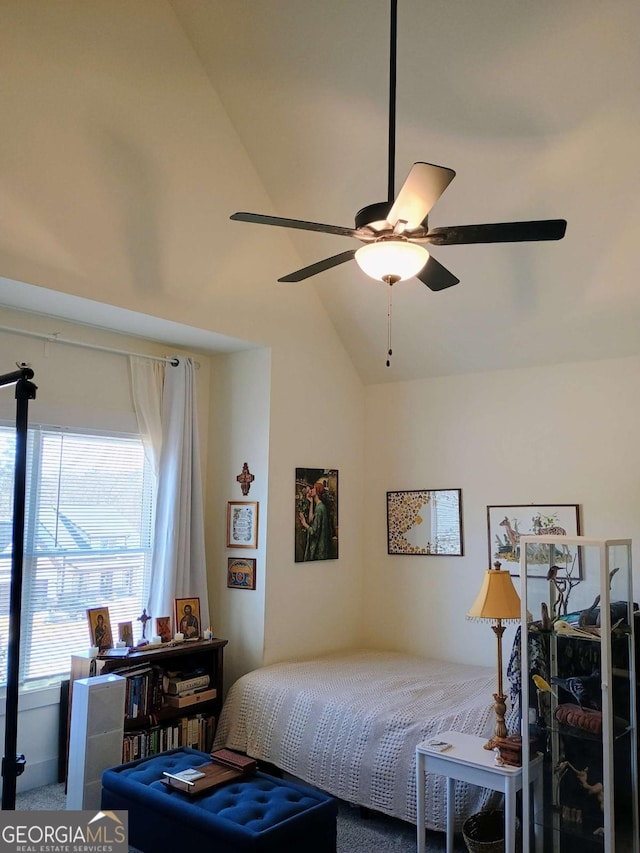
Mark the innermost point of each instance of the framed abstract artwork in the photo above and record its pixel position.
(241, 573)
(425, 522)
(316, 514)
(506, 523)
(242, 524)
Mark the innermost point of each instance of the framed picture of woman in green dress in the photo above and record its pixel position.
(316, 514)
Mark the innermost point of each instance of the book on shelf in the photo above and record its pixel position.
(143, 692)
(196, 731)
(183, 700)
(178, 686)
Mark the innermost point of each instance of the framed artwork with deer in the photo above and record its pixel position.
(508, 522)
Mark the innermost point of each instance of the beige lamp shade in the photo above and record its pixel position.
(497, 598)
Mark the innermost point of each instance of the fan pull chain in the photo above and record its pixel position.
(389, 350)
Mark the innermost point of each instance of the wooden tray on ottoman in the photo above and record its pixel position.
(214, 776)
(225, 767)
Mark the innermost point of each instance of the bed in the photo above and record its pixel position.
(348, 723)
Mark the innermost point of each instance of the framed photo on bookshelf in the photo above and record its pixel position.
(100, 627)
(125, 633)
(188, 617)
(163, 628)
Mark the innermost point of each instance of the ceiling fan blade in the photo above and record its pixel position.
(261, 219)
(435, 276)
(422, 189)
(320, 266)
(501, 232)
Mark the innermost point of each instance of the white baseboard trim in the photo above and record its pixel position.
(36, 774)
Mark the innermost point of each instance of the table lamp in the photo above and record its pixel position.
(497, 602)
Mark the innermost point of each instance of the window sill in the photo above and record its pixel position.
(32, 698)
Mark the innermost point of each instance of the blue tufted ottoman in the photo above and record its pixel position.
(259, 813)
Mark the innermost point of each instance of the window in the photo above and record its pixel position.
(88, 537)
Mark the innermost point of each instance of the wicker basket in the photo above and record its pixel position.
(484, 832)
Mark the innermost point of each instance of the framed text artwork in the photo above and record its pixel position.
(508, 522)
(316, 514)
(241, 573)
(425, 522)
(242, 524)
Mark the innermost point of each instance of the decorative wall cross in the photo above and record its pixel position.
(245, 478)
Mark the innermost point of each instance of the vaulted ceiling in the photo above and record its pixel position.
(534, 105)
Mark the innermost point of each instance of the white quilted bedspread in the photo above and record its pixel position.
(349, 723)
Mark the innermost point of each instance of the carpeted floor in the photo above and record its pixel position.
(374, 834)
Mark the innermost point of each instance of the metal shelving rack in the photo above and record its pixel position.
(577, 617)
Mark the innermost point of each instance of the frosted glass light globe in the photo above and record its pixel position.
(396, 259)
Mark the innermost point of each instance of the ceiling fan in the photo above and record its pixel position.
(393, 232)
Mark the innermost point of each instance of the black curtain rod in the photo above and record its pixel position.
(10, 378)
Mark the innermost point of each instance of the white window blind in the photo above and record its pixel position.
(88, 536)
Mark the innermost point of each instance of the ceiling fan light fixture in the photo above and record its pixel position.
(394, 259)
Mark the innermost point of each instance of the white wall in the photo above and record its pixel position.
(564, 434)
(275, 412)
(317, 421)
(239, 418)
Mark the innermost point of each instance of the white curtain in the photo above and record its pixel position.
(167, 418)
(147, 381)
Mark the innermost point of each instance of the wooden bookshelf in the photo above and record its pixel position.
(152, 724)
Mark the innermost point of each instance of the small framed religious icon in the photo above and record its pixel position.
(163, 628)
(125, 633)
(100, 627)
(188, 617)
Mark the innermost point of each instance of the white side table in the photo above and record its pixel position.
(468, 761)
